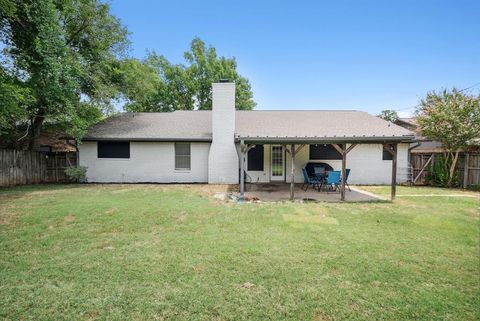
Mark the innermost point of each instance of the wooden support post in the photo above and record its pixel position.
(394, 172)
(393, 152)
(243, 153)
(56, 168)
(465, 170)
(344, 173)
(242, 174)
(292, 179)
(292, 151)
(343, 150)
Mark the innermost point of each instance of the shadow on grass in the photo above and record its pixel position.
(9, 190)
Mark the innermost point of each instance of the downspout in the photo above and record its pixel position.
(413, 147)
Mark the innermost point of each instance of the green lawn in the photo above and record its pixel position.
(172, 253)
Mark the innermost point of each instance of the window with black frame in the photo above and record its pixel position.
(113, 149)
(324, 151)
(386, 154)
(255, 158)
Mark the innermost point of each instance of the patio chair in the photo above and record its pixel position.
(309, 181)
(347, 173)
(333, 180)
(319, 171)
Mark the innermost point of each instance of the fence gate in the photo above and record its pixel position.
(468, 167)
(56, 165)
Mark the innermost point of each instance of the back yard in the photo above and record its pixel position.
(174, 252)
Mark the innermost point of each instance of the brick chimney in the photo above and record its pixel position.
(223, 157)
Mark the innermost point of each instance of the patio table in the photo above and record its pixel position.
(322, 178)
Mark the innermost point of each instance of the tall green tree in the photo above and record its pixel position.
(14, 99)
(388, 115)
(451, 117)
(63, 53)
(205, 67)
(155, 85)
(183, 86)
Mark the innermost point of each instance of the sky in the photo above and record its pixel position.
(363, 55)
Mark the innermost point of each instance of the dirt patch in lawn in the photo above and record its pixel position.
(204, 189)
(210, 190)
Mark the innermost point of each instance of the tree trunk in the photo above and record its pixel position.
(37, 123)
(446, 156)
(452, 169)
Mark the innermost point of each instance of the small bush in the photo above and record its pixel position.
(474, 187)
(438, 174)
(77, 174)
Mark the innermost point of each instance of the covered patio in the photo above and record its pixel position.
(290, 134)
(292, 149)
(273, 192)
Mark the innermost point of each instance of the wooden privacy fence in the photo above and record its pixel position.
(468, 166)
(471, 170)
(20, 167)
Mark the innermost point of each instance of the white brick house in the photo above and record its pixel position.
(204, 146)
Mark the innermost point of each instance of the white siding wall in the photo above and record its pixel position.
(148, 162)
(368, 167)
(155, 162)
(365, 162)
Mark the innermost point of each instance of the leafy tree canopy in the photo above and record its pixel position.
(451, 117)
(63, 62)
(181, 86)
(389, 115)
(58, 62)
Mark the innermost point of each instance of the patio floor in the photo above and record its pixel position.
(271, 192)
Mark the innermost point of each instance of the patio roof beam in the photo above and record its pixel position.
(325, 140)
(343, 151)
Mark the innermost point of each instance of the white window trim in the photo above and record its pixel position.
(177, 169)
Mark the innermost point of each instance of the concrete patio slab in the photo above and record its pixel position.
(273, 192)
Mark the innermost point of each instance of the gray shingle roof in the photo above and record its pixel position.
(250, 125)
(181, 125)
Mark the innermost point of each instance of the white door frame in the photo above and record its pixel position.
(277, 176)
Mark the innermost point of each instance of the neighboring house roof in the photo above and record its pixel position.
(51, 140)
(250, 125)
(408, 123)
(411, 124)
(408, 120)
(425, 145)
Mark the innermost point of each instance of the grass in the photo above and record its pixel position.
(143, 252)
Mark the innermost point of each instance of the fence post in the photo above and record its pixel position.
(56, 168)
(465, 170)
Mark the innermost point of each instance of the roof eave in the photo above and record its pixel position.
(354, 139)
(149, 139)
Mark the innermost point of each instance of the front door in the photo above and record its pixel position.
(277, 163)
